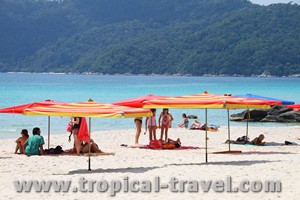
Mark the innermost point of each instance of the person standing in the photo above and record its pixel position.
(34, 144)
(151, 124)
(138, 123)
(164, 122)
(76, 122)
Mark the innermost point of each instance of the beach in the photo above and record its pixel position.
(255, 164)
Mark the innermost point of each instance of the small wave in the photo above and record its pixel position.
(8, 130)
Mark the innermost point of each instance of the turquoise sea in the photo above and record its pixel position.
(21, 88)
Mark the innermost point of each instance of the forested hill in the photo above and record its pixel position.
(150, 36)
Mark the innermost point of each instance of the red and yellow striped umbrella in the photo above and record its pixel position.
(210, 101)
(20, 108)
(88, 109)
(137, 102)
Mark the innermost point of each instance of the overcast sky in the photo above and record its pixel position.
(268, 2)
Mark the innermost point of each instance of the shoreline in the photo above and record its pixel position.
(15, 134)
(166, 75)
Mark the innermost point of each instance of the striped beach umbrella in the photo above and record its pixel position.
(19, 109)
(211, 101)
(88, 109)
(137, 102)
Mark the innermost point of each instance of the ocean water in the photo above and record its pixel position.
(21, 88)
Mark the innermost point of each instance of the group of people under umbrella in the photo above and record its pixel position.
(140, 107)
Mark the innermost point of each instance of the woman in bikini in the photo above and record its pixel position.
(151, 124)
(75, 122)
(164, 122)
(21, 141)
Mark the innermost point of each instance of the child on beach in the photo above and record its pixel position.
(21, 141)
(151, 124)
(164, 123)
(185, 123)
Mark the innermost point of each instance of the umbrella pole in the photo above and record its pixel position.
(247, 129)
(90, 121)
(228, 129)
(48, 132)
(206, 135)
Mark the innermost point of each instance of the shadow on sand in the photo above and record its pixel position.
(5, 157)
(233, 163)
(136, 170)
(145, 169)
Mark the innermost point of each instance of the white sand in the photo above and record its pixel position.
(256, 163)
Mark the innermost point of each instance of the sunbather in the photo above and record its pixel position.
(177, 143)
(256, 141)
(196, 125)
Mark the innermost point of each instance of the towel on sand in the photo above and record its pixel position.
(180, 148)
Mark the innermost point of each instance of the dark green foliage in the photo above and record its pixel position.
(149, 36)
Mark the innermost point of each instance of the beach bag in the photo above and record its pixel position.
(56, 150)
(155, 144)
(69, 128)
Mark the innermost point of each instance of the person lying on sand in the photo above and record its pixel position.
(259, 141)
(256, 141)
(196, 125)
(170, 143)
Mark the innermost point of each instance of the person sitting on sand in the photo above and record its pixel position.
(34, 144)
(94, 147)
(185, 123)
(21, 142)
